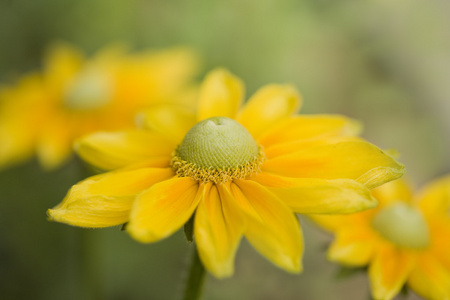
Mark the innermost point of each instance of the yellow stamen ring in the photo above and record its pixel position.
(220, 175)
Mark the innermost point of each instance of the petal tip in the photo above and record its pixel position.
(50, 215)
(141, 236)
(222, 273)
(296, 267)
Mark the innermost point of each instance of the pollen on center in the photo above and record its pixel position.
(217, 149)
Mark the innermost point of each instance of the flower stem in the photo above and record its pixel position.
(196, 279)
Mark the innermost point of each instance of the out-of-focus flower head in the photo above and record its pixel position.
(72, 96)
(405, 240)
(237, 170)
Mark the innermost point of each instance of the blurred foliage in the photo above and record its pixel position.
(383, 62)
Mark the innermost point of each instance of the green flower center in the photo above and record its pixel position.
(217, 149)
(402, 225)
(90, 90)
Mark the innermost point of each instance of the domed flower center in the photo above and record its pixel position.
(217, 149)
(403, 225)
(90, 90)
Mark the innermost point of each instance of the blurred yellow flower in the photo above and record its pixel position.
(243, 171)
(405, 240)
(73, 96)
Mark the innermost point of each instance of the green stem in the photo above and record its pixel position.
(196, 279)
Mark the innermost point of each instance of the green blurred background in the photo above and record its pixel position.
(386, 63)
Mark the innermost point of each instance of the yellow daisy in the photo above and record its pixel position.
(405, 240)
(243, 171)
(73, 96)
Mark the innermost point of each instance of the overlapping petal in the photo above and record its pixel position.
(164, 208)
(218, 230)
(112, 150)
(221, 94)
(105, 200)
(356, 160)
(268, 106)
(318, 196)
(271, 227)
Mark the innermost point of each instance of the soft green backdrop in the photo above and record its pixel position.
(386, 63)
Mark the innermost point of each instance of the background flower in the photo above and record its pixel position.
(72, 96)
(403, 241)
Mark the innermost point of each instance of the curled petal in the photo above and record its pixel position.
(318, 196)
(356, 160)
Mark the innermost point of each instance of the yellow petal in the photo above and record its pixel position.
(275, 232)
(307, 127)
(440, 241)
(221, 95)
(171, 121)
(218, 230)
(388, 272)
(332, 223)
(435, 197)
(20, 126)
(301, 145)
(352, 247)
(164, 208)
(61, 65)
(268, 106)
(55, 144)
(168, 70)
(430, 280)
(397, 190)
(318, 196)
(17, 143)
(105, 200)
(112, 150)
(357, 160)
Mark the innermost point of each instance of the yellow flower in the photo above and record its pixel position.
(405, 240)
(243, 171)
(73, 96)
